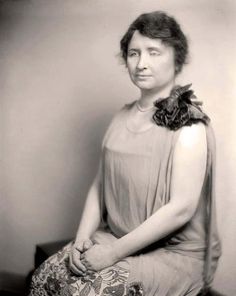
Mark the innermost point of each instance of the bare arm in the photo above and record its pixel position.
(91, 215)
(189, 166)
(89, 223)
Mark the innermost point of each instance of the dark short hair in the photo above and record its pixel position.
(159, 25)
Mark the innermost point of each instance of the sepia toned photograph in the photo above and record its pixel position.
(118, 148)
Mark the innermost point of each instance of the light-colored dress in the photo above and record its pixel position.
(136, 180)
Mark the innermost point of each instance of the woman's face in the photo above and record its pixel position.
(150, 62)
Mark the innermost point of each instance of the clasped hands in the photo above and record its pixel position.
(86, 257)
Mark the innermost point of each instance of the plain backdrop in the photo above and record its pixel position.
(61, 81)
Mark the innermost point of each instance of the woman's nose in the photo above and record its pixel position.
(142, 62)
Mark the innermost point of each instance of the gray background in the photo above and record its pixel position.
(60, 83)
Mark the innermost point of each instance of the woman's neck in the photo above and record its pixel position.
(148, 97)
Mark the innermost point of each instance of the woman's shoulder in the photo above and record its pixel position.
(128, 106)
(122, 111)
(192, 135)
(191, 147)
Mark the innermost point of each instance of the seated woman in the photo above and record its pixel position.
(148, 226)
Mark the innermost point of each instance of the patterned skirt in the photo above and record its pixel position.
(54, 278)
(165, 274)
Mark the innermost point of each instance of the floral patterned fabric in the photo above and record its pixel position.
(53, 278)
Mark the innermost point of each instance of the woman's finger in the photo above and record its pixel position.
(73, 268)
(82, 256)
(88, 265)
(75, 261)
(80, 265)
(70, 258)
(84, 263)
(76, 271)
(79, 247)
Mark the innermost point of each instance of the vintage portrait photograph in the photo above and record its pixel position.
(117, 147)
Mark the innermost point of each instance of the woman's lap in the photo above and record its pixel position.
(53, 277)
(165, 273)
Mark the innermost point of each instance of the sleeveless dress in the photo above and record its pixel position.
(136, 179)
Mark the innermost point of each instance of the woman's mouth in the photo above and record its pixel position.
(143, 76)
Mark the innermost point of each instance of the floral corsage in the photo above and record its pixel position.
(179, 109)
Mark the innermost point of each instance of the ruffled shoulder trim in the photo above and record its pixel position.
(181, 108)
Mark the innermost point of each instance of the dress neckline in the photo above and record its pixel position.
(149, 128)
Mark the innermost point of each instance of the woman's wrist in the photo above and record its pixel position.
(117, 250)
(80, 239)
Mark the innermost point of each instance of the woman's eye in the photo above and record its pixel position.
(154, 53)
(133, 54)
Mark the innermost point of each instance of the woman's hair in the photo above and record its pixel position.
(159, 25)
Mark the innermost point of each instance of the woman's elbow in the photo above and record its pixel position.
(185, 213)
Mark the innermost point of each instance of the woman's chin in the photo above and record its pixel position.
(144, 85)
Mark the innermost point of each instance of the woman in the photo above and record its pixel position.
(148, 225)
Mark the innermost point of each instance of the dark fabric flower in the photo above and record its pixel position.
(179, 109)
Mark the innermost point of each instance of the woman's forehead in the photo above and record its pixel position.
(140, 41)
